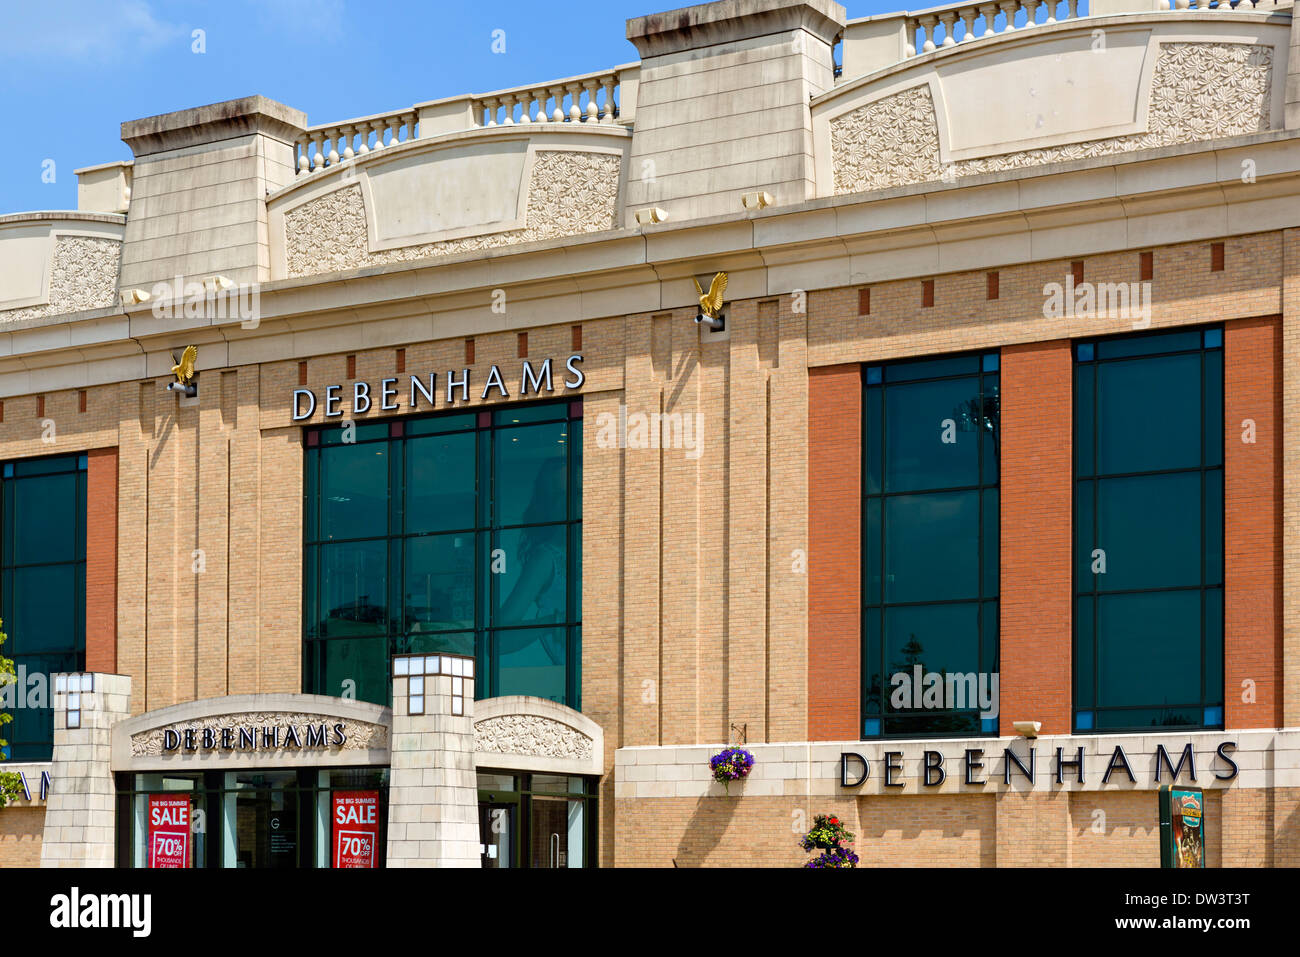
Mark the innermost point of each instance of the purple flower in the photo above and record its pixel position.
(731, 765)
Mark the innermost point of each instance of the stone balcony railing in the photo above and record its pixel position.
(605, 97)
(328, 143)
(872, 43)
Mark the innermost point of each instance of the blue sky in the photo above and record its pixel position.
(72, 70)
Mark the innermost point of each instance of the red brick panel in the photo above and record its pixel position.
(1252, 521)
(101, 560)
(1036, 586)
(834, 552)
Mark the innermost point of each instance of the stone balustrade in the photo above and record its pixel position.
(604, 97)
(592, 98)
(950, 25)
(326, 145)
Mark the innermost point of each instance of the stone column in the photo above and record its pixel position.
(433, 792)
(79, 813)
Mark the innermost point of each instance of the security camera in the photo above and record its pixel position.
(717, 325)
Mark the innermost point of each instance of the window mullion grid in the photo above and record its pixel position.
(395, 554)
(1095, 589)
(980, 487)
(979, 527)
(1095, 594)
(1201, 435)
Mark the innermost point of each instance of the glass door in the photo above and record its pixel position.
(535, 820)
(498, 819)
(496, 826)
(263, 808)
(550, 836)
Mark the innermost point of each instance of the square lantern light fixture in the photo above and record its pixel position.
(73, 686)
(417, 669)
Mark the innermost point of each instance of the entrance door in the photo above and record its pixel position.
(535, 820)
(550, 831)
(496, 828)
(266, 819)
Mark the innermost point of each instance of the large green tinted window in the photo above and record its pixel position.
(42, 590)
(459, 533)
(930, 539)
(1148, 463)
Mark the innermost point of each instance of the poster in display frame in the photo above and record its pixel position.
(169, 831)
(1182, 827)
(356, 829)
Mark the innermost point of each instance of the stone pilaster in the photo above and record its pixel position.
(1293, 78)
(433, 791)
(79, 825)
(1290, 348)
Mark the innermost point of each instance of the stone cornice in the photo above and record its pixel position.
(62, 216)
(212, 123)
(710, 24)
(1086, 207)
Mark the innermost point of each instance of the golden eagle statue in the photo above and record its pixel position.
(184, 370)
(711, 305)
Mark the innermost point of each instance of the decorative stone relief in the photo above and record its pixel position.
(569, 193)
(360, 735)
(531, 734)
(83, 276)
(1199, 91)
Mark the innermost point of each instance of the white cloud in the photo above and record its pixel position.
(92, 30)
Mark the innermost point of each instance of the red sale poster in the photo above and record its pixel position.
(169, 830)
(356, 828)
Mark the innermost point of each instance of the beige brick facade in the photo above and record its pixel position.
(694, 596)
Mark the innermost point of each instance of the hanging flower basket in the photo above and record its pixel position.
(830, 837)
(733, 764)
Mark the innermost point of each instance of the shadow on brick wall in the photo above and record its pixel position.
(703, 832)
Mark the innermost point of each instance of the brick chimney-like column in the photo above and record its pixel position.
(722, 106)
(199, 187)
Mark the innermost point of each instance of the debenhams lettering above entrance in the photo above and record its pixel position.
(532, 379)
(255, 739)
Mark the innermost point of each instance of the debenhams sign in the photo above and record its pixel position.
(269, 738)
(361, 398)
(975, 765)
